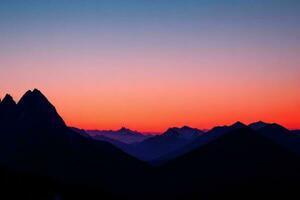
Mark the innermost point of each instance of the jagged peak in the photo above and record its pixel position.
(171, 129)
(180, 128)
(190, 128)
(34, 104)
(36, 90)
(276, 126)
(127, 131)
(34, 96)
(182, 132)
(124, 129)
(258, 125)
(238, 124)
(259, 122)
(8, 108)
(186, 127)
(8, 100)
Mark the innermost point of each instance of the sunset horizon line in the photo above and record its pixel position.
(155, 132)
(149, 131)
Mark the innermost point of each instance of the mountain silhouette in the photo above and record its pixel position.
(184, 132)
(7, 103)
(8, 116)
(41, 144)
(201, 140)
(123, 135)
(237, 125)
(281, 136)
(8, 108)
(258, 125)
(126, 131)
(240, 160)
(150, 147)
(160, 145)
(35, 110)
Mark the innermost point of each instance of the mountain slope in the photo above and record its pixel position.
(281, 136)
(241, 157)
(201, 140)
(160, 145)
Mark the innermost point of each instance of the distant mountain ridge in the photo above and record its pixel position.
(174, 141)
(147, 147)
(199, 141)
(258, 125)
(184, 132)
(123, 135)
(160, 145)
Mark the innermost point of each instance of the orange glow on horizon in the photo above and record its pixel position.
(164, 108)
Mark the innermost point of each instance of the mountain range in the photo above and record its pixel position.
(42, 158)
(124, 135)
(148, 148)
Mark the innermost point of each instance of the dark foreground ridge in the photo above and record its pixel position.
(41, 158)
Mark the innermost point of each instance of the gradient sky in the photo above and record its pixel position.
(152, 64)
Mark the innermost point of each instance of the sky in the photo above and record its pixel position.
(153, 64)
